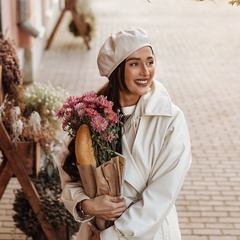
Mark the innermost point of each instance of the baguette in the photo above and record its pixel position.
(83, 146)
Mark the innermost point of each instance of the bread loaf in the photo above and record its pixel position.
(83, 146)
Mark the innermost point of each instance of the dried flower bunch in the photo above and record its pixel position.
(11, 74)
(97, 113)
(44, 99)
(35, 120)
(28, 113)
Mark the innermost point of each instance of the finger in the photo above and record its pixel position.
(112, 219)
(90, 233)
(117, 199)
(92, 227)
(120, 208)
(118, 214)
(115, 216)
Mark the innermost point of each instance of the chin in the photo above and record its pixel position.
(147, 89)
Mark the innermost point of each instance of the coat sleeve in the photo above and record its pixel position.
(72, 192)
(144, 218)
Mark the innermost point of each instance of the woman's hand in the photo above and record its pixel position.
(94, 233)
(104, 207)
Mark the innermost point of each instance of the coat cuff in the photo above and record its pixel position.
(76, 215)
(79, 219)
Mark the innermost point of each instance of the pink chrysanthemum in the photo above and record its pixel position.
(71, 101)
(108, 137)
(91, 112)
(91, 94)
(102, 102)
(90, 99)
(112, 116)
(99, 124)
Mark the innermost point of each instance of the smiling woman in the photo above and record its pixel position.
(154, 139)
(139, 73)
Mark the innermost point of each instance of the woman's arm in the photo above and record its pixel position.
(105, 207)
(72, 192)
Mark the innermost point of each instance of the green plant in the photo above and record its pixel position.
(232, 2)
(237, 2)
(49, 189)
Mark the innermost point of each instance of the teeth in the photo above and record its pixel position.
(142, 81)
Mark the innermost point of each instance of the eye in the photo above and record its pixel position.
(134, 64)
(150, 63)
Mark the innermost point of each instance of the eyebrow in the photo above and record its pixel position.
(136, 59)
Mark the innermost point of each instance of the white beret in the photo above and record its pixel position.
(118, 47)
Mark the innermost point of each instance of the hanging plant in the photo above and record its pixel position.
(49, 189)
(11, 74)
(89, 29)
(85, 17)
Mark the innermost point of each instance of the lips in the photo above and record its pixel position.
(141, 82)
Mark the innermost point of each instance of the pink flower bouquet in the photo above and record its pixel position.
(97, 113)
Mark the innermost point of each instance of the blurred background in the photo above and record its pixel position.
(197, 47)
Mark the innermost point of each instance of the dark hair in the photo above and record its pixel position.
(111, 91)
(116, 82)
(70, 163)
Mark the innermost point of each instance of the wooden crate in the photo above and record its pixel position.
(30, 153)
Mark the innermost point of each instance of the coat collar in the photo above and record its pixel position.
(157, 102)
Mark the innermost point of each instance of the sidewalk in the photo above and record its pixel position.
(197, 45)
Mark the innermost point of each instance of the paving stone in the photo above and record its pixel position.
(197, 48)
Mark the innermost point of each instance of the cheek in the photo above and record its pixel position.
(128, 82)
(130, 74)
(152, 71)
(129, 77)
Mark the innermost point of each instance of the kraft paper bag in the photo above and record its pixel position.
(88, 179)
(107, 179)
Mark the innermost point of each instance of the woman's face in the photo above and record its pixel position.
(139, 73)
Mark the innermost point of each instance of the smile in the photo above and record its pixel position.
(141, 82)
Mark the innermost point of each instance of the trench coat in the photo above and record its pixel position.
(157, 148)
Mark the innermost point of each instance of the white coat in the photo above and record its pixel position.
(157, 147)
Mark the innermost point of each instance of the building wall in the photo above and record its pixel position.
(41, 16)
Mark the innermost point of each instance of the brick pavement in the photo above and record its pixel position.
(197, 45)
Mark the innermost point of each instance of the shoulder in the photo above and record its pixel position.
(157, 102)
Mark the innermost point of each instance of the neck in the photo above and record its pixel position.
(128, 100)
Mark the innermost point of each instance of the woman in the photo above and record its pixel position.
(155, 142)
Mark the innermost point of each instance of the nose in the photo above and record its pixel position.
(144, 70)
